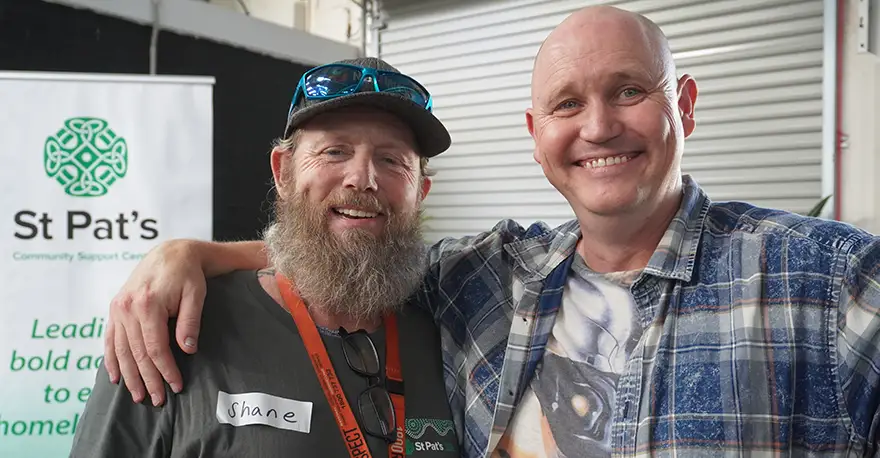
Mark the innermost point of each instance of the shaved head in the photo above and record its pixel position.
(602, 23)
(609, 116)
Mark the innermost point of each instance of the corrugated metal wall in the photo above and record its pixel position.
(758, 66)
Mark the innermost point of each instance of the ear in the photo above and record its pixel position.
(530, 123)
(282, 167)
(426, 187)
(687, 98)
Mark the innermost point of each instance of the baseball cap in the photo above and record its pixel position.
(431, 136)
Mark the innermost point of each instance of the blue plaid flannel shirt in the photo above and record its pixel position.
(760, 333)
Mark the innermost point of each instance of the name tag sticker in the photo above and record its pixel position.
(264, 409)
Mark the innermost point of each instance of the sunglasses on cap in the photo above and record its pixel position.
(336, 80)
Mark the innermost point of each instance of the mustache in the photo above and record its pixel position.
(622, 144)
(361, 200)
(370, 274)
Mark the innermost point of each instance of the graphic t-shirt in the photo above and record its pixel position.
(568, 409)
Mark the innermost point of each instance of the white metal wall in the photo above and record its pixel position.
(758, 66)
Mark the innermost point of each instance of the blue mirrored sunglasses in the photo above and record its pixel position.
(335, 80)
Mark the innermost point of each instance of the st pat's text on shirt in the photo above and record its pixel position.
(264, 409)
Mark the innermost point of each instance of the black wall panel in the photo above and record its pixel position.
(251, 94)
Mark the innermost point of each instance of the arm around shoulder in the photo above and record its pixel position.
(450, 249)
(218, 258)
(169, 282)
(452, 259)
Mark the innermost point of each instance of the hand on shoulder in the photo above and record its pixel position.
(168, 282)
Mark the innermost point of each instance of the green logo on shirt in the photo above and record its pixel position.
(85, 157)
(426, 434)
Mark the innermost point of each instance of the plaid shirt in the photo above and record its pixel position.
(760, 333)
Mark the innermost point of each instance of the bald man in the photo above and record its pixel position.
(656, 322)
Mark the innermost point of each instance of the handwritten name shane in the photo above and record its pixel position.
(244, 411)
(264, 409)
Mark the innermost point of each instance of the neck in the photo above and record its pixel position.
(320, 316)
(624, 242)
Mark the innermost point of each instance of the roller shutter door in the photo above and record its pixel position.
(758, 66)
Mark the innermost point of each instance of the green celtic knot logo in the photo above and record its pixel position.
(85, 157)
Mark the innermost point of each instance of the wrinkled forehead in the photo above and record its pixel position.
(592, 53)
(376, 130)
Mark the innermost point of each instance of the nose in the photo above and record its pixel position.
(360, 173)
(600, 123)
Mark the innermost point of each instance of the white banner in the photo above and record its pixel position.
(94, 171)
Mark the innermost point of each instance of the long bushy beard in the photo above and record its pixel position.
(356, 274)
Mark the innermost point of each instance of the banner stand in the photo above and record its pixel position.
(96, 170)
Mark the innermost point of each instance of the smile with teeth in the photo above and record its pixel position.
(605, 161)
(351, 213)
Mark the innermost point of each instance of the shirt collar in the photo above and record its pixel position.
(676, 253)
(673, 258)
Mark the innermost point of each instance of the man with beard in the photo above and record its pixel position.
(656, 323)
(315, 356)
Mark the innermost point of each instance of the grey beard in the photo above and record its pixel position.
(358, 275)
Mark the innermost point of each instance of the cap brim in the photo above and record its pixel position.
(431, 136)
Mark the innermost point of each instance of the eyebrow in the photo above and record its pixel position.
(626, 75)
(557, 90)
(641, 74)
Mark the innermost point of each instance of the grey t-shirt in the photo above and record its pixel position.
(249, 345)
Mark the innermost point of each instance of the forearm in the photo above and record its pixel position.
(218, 258)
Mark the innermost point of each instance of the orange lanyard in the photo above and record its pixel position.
(355, 441)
